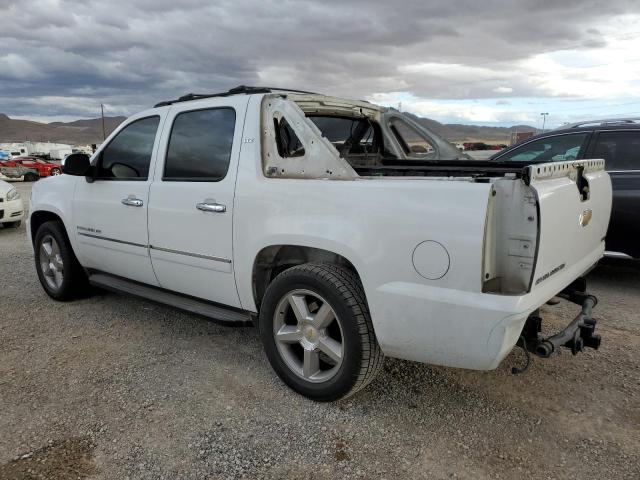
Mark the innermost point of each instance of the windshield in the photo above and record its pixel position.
(412, 143)
(362, 141)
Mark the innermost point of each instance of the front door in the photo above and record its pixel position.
(191, 199)
(111, 212)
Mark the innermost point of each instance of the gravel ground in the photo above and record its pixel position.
(113, 387)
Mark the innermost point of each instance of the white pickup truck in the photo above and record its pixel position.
(345, 230)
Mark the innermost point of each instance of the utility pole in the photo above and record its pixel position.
(104, 135)
(544, 118)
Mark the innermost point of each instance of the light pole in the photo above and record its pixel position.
(104, 135)
(544, 118)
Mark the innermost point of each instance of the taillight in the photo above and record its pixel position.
(510, 238)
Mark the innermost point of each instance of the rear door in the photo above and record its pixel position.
(110, 213)
(621, 151)
(191, 199)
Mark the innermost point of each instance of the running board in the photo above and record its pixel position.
(200, 307)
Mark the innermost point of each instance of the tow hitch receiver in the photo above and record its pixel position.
(576, 336)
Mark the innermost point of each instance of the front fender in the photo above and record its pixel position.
(54, 195)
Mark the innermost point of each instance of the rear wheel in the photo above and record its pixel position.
(317, 332)
(55, 171)
(30, 177)
(60, 274)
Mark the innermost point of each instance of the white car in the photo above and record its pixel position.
(345, 230)
(11, 206)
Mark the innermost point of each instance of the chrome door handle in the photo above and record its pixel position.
(211, 206)
(132, 201)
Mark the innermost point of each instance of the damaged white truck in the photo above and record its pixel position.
(345, 230)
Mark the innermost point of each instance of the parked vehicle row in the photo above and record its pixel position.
(11, 206)
(33, 167)
(335, 224)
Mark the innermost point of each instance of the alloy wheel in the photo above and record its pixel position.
(308, 335)
(51, 262)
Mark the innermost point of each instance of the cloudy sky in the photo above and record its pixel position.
(461, 61)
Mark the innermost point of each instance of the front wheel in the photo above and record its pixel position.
(317, 332)
(59, 271)
(55, 172)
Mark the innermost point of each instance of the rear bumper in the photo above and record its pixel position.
(457, 328)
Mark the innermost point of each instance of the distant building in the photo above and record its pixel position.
(517, 137)
(56, 151)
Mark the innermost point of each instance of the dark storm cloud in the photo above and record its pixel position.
(130, 54)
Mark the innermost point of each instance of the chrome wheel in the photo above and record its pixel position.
(51, 262)
(308, 335)
(55, 171)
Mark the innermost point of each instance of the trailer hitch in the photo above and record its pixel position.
(575, 336)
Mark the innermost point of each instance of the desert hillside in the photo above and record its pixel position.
(90, 131)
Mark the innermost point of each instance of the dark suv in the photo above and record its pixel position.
(618, 143)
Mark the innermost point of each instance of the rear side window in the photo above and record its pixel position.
(288, 143)
(620, 150)
(550, 149)
(128, 155)
(200, 145)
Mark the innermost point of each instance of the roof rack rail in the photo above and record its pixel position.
(603, 122)
(239, 90)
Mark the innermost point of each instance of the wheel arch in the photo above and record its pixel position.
(275, 259)
(39, 217)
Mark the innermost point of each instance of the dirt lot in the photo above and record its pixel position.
(113, 387)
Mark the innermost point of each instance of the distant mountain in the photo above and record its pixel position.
(471, 133)
(79, 132)
(82, 132)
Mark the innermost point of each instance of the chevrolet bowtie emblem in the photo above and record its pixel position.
(585, 217)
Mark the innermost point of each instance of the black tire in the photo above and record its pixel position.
(362, 357)
(75, 283)
(12, 224)
(30, 177)
(55, 171)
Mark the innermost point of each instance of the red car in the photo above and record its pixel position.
(44, 168)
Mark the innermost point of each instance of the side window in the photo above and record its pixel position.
(288, 143)
(200, 145)
(550, 149)
(411, 142)
(128, 155)
(620, 150)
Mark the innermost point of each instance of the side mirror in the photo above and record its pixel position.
(76, 164)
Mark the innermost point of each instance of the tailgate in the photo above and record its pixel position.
(574, 205)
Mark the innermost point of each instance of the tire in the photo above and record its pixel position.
(59, 271)
(30, 177)
(12, 224)
(305, 354)
(55, 171)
